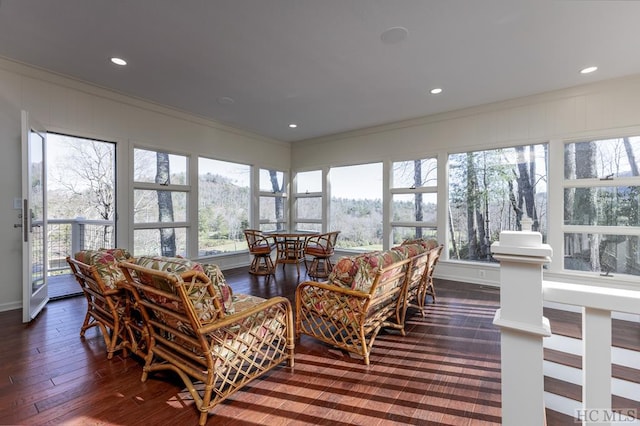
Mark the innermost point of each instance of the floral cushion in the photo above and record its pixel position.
(176, 265)
(410, 250)
(220, 285)
(106, 263)
(179, 265)
(198, 292)
(427, 244)
(359, 272)
(344, 271)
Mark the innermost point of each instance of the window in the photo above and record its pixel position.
(273, 200)
(308, 200)
(223, 206)
(160, 200)
(356, 206)
(601, 197)
(414, 194)
(491, 191)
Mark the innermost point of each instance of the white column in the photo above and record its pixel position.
(522, 326)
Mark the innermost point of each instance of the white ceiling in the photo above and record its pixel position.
(322, 63)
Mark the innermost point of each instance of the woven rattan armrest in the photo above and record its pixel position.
(238, 316)
(335, 288)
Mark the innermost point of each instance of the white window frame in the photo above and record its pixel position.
(152, 186)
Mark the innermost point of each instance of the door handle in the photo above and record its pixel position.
(25, 220)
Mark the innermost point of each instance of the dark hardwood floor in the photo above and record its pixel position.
(445, 371)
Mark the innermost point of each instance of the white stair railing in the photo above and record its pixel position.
(597, 304)
(522, 328)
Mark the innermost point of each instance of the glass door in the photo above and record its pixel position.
(34, 259)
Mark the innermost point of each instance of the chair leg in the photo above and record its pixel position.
(262, 265)
(312, 271)
(320, 267)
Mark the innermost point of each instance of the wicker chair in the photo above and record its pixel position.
(193, 334)
(108, 306)
(320, 248)
(350, 309)
(260, 247)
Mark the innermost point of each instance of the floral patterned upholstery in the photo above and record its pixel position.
(106, 263)
(363, 294)
(427, 244)
(99, 277)
(179, 265)
(191, 334)
(358, 272)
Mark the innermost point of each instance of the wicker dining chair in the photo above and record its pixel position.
(260, 247)
(320, 247)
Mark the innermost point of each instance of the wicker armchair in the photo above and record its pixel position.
(194, 334)
(320, 248)
(108, 306)
(363, 295)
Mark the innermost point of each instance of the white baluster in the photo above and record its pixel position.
(596, 362)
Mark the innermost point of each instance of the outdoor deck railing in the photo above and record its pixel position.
(68, 236)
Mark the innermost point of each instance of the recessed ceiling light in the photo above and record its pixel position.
(119, 61)
(435, 91)
(588, 70)
(293, 125)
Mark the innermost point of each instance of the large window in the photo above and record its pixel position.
(414, 193)
(308, 200)
(223, 206)
(273, 200)
(491, 191)
(356, 206)
(601, 197)
(160, 200)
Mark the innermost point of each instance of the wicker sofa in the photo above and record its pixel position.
(181, 316)
(362, 295)
(204, 333)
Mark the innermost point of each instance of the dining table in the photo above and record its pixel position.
(290, 246)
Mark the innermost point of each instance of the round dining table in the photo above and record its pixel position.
(290, 246)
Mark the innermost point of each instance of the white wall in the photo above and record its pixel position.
(607, 109)
(67, 106)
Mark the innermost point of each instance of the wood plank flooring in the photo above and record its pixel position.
(445, 371)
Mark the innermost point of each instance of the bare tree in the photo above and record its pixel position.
(165, 205)
(585, 198)
(472, 208)
(631, 157)
(88, 171)
(526, 185)
(632, 247)
(279, 201)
